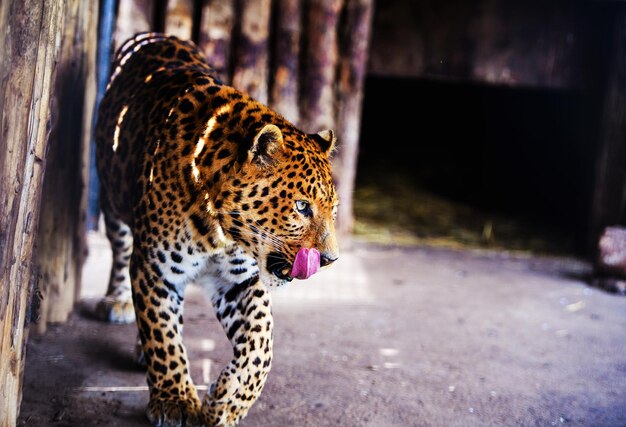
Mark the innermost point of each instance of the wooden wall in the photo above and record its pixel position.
(28, 73)
(61, 240)
(45, 91)
(528, 43)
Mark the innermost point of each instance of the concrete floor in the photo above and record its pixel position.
(386, 337)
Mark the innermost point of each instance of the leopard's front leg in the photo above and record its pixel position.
(244, 310)
(158, 307)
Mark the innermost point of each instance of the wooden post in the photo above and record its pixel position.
(132, 16)
(60, 241)
(215, 34)
(250, 68)
(30, 40)
(179, 18)
(285, 73)
(609, 204)
(318, 97)
(90, 67)
(354, 47)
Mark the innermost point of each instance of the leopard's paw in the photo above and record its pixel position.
(114, 310)
(174, 413)
(224, 413)
(222, 405)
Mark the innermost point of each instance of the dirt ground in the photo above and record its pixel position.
(388, 336)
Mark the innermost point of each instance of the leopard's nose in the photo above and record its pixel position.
(326, 259)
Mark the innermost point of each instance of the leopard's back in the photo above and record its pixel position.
(150, 73)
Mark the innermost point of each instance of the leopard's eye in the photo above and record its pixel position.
(303, 207)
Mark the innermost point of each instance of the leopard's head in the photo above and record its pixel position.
(282, 203)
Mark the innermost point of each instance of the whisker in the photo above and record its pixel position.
(263, 234)
(275, 243)
(255, 229)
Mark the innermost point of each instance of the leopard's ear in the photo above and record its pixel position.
(265, 145)
(326, 140)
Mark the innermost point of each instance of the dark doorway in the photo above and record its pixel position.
(477, 164)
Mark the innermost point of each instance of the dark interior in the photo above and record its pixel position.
(527, 154)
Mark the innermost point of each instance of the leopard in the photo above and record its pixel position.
(202, 183)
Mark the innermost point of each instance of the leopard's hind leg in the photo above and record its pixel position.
(117, 305)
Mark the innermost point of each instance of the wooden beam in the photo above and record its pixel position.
(27, 72)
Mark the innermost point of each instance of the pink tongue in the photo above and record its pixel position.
(307, 263)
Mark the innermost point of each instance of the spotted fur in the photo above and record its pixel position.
(200, 184)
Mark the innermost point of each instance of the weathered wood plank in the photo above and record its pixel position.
(91, 94)
(62, 222)
(30, 39)
(251, 56)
